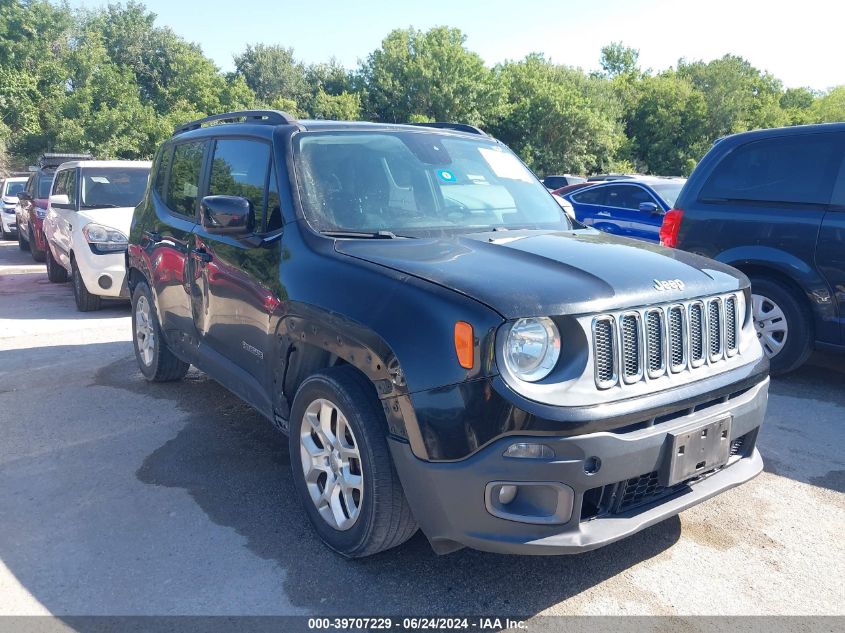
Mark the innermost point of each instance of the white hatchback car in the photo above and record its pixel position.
(87, 223)
(9, 189)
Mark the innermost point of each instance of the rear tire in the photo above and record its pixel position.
(37, 255)
(85, 301)
(22, 243)
(56, 273)
(783, 324)
(156, 361)
(338, 446)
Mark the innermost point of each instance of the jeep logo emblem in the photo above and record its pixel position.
(668, 284)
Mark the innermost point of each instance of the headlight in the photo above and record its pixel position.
(40, 213)
(104, 238)
(532, 348)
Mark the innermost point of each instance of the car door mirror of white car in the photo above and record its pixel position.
(61, 201)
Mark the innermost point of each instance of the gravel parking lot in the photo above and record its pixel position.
(121, 497)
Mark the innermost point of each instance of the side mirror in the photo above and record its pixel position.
(649, 207)
(227, 215)
(61, 201)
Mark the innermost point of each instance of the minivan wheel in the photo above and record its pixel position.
(155, 359)
(85, 301)
(341, 465)
(56, 273)
(783, 324)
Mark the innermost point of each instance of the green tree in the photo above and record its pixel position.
(556, 118)
(343, 107)
(272, 72)
(618, 59)
(666, 126)
(430, 74)
(829, 107)
(739, 97)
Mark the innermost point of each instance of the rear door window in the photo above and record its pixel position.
(590, 196)
(787, 169)
(183, 184)
(626, 196)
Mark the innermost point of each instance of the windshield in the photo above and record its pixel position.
(105, 187)
(669, 191)
(14, 188)
(418, 184)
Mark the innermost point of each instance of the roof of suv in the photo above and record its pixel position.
(816, 128)
(266, 120)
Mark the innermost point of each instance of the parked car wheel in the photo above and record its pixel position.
(783, 324)
(85, 301)
(157, 362)
(4, 234)
(22, 243)
(55, 271)
(37, 255)
(342, 467)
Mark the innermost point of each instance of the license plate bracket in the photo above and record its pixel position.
(695, 449)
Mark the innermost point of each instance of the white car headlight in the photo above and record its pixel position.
(532, 348)
(104, 238)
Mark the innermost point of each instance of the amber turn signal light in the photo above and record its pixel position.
(463, 344)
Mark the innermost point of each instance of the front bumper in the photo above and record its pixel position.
(9, 220)
(450, 500)
(98, 270)
(37, 226)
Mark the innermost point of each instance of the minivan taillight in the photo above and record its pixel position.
(670, 227)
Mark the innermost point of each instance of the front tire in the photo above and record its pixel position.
(37, 255)
(55, 271)
(783, 324)
(85, 301)
(22, 243)
(342, 467)
(156, 361)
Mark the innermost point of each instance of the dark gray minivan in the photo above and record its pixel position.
(772, 204)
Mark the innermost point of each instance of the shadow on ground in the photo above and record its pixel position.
(236, 468)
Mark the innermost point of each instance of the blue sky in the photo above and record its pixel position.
(799, 41)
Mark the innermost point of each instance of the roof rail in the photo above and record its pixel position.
(267, 117)
(51, 160)
(459, 127)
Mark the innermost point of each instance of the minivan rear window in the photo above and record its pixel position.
(787, 169)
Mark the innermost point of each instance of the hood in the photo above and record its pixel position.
(10, 199)
(119, 218)
(536, 273)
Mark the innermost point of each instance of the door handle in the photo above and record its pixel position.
(200, 254)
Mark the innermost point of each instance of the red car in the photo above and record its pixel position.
(572, 187)
(32, 203)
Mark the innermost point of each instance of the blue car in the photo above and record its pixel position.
(631, 207)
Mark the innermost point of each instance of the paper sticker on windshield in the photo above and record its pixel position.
(446, 175)
(505, 165)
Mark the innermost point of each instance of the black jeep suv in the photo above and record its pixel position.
(772, 203)
(442, 346)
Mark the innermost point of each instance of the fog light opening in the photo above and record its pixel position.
(507, 494)
(592, 465)
(525, 450)
(104, 282)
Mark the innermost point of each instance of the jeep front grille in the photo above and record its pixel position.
(646, 344)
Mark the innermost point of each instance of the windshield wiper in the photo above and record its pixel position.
(365, 235)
